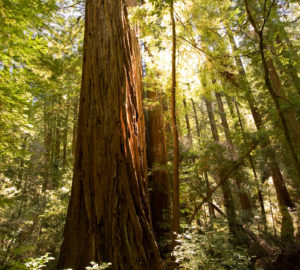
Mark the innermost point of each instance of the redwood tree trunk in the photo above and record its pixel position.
(159, 180)
(109, 215)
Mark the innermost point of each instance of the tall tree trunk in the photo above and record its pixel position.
(175, 223)
(210, 206)
(109, 214)
(47, 145)
(252, 164)
(211, 209)
(283, 197)
(196, 119)
(244, 199)
(226, 191)
(56, 154)
(187, 120)
(159, 179)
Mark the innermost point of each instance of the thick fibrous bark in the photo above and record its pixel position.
(109, 215)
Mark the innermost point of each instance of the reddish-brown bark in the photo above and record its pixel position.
(109, 214)
(159, 180)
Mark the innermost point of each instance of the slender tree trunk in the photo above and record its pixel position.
(283, 197)
(47, 145)
(187, 120)
(252, 164)
(56, 153)
(244, 199)
(210, 206)
(226, 191)
(196, 119)
(175, 223)
(109, 214)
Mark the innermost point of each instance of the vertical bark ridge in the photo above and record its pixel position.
(109, 212)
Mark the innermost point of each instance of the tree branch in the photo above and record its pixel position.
(237, 164)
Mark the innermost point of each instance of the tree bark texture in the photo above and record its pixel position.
(159, 179)
(109, 214)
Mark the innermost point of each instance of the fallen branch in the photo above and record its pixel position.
(236, 165)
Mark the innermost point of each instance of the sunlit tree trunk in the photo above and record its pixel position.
(109, 214)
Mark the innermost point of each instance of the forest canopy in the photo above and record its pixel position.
(154, 134)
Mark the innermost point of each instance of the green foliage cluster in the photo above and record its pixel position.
(40, 65)
(204, 248)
